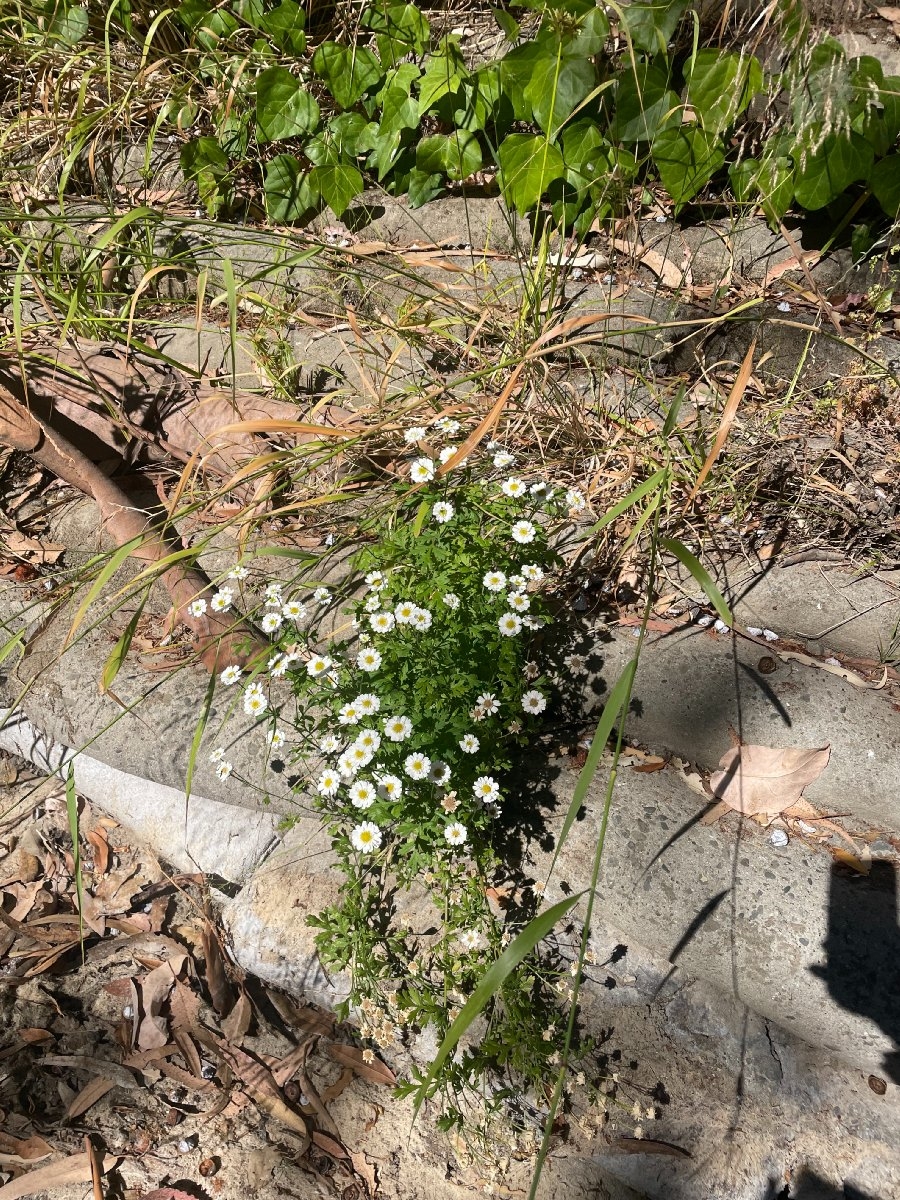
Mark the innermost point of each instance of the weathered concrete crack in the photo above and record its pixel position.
(773, 1051)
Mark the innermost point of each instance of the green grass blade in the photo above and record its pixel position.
(491, 982)
(100, 582)
(611, 711)
(72, 809)
(656, 480)
(196, 740)
(701, 575)
(119, 652)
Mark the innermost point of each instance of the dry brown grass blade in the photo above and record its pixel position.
(728, 414)
(485, 426)
(77, 1168)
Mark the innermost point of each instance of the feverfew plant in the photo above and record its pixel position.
(405, 734)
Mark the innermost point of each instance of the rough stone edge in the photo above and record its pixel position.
(192, 833)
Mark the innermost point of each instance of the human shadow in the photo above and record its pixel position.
(809, 1186)
(862, 970)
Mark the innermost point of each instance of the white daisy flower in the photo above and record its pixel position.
(328, 783)
(382, 622)
(442, 512)
(532, 572)
(271, 622)
(487, 702)
(518, 583)
(421, 620)
(523, 532)
(469, 743)
(254, 702)
(398, 729)
(439, 773)
(422, 470)
(197, 607)
(362, 794)
(373, 603)
(518, 602)
(494, 581)
(347, 768)
(275, 739)
(446, 454)
(222, 600)
(359, 756)
(367, 704)
(376, 580)
(534, 701)
(224, 769)
(485, 788)
(470, 939)
(282, 662)
(531, 622)
(576, 663)
(404, 612)
(365, 837)
(447, 425)
(493, 444)
(509, 624)
(389, 787)
(456, 834)
(318, 665)
(451, 600)
(416, 434)
(321, 595)
(368, 659)
(417, 766)
(575, 500)
(369, 739)
(293, 610)
(503, 459)
(217, 755)
(230, 675)
(238, 572)
(531, 670)
(348, 715)
(542, 491)
(329, 744)
(513, 487)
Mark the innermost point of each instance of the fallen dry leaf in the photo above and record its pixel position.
(97, 838)
(350, 1056)
(34, 1036)
(24, 1149)
(238, 1020)
(220, 990)
(365, 1170)
(74, 1169)
(153, 991)
(756, 780)
(93, 1090)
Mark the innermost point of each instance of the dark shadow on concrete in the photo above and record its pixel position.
(810, 1186)
(862, 970)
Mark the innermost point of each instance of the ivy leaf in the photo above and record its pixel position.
(288, 195)
(879, 120)
(204, 162)
(443, 76)
(208, 26)
(399, 30)
(527, 166)
(457, 155)
(69, 25)
(720, 86)
(337, 184)
(885, 184)
(284, 25)
(770, 183)
(556, 88)
(423, 187)
(651, 23)
(348, 132)
(284, 108)
(348, 71)
(508, 25)
(515, 71)
(398, 111)
(828, 171)
(645, 105)
(687, 158)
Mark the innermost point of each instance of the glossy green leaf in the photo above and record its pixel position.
(284, 108)
(288, 196)
(527, 166)
(205, 164)
(556, 88)
(769, 183)
(348, 132)
(399, 29)
(828, 170)
(69, 25)
(444, 75)
(645, 105)
(650, 24)
(885, 184)
(687, 158)
(285, 25)
(456, 155)
(508, 25)
(348, 71)
(337, 184)
(720, 86)
(423, 187)
(590, 35)
(208, 25)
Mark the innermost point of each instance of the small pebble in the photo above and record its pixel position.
(208, 1070)
(720, 627)
(784, 306)
(128, 1012)
(187, 1144)
(754, 631)
(770, 635)
(778, 838)
(704, 621)
(833, 662)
